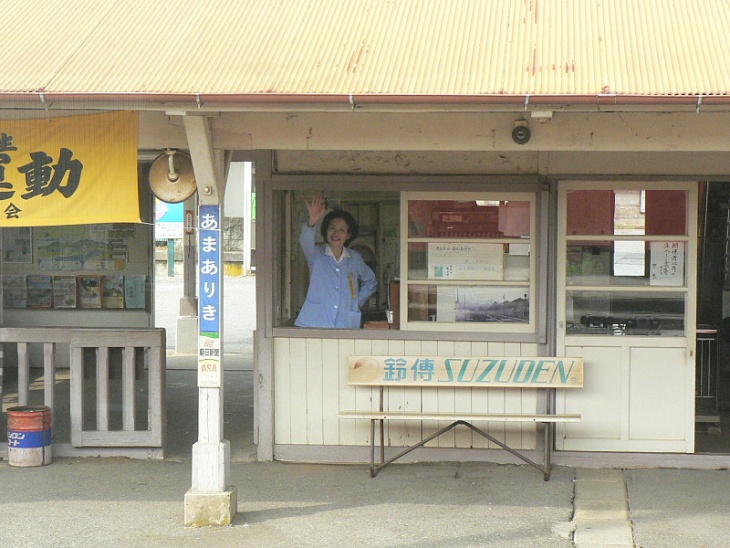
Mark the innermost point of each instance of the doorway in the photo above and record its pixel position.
(712, 387)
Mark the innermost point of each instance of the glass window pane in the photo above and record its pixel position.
(378, 243)
(468, 219)
(626, 262)
(626, 212)
(625, 313)
(417, 260)
(666, 213)
(629, 258)
(590, 212)
(451, 303)
(463, 254)
(589, 263)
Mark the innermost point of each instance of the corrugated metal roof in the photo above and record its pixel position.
(392, 48)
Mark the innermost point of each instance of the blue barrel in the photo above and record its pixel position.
(29, 436)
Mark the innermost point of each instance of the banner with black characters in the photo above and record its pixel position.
(70, 170)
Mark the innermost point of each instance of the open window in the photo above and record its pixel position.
(377, 215)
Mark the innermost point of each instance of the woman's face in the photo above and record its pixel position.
(337, 233)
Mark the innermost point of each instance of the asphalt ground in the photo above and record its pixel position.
(239, 311)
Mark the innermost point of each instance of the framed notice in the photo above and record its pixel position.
(465, 261)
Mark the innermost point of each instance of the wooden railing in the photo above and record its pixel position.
(91, 408)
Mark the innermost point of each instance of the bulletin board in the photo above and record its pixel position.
(99, 266)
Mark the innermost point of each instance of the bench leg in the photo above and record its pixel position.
(374, 469)
(543, 469)
(373, 472)
(549, 439)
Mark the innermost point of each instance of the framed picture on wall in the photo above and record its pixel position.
(17, 245)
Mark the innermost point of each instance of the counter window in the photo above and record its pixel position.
(377, 243)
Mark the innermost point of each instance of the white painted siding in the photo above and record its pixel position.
(310, 383)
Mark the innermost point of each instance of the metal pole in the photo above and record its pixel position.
(170, 257)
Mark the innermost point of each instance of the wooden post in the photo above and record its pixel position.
(211, 500)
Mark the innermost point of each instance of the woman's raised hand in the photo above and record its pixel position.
(317, 208)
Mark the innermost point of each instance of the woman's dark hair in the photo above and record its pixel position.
(345, 216)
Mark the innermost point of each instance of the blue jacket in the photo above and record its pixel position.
(336, 290)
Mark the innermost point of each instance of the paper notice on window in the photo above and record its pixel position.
(465, 261)
(667, 264)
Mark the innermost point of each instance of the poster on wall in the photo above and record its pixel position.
(168, 220)
(40, 291)
(90, 291)
(15, 293)
(64, 292)
(99, 247)
(134, 291)
(17, 245)
(482, 304)
(112, 291)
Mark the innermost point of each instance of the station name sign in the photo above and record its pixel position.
(440, 371)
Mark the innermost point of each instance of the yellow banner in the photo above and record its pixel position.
(70, 170)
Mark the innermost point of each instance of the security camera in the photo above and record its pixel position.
(521, 133)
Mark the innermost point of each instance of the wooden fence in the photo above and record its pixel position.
(109, 409)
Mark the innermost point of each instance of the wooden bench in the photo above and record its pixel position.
(541, 373)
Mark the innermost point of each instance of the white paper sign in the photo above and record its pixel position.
(667, 264)
(465, 261)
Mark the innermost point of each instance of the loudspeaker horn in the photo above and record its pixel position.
(172, 178)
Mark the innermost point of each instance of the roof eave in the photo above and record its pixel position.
(164, 101)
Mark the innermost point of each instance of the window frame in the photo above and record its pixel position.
(406, 282)
(609, 289)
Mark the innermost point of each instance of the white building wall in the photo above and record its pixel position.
(311, 387)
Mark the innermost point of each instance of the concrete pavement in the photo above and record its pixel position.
(118, 502)
(140, 504)
(239, 311)
(121, 502)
